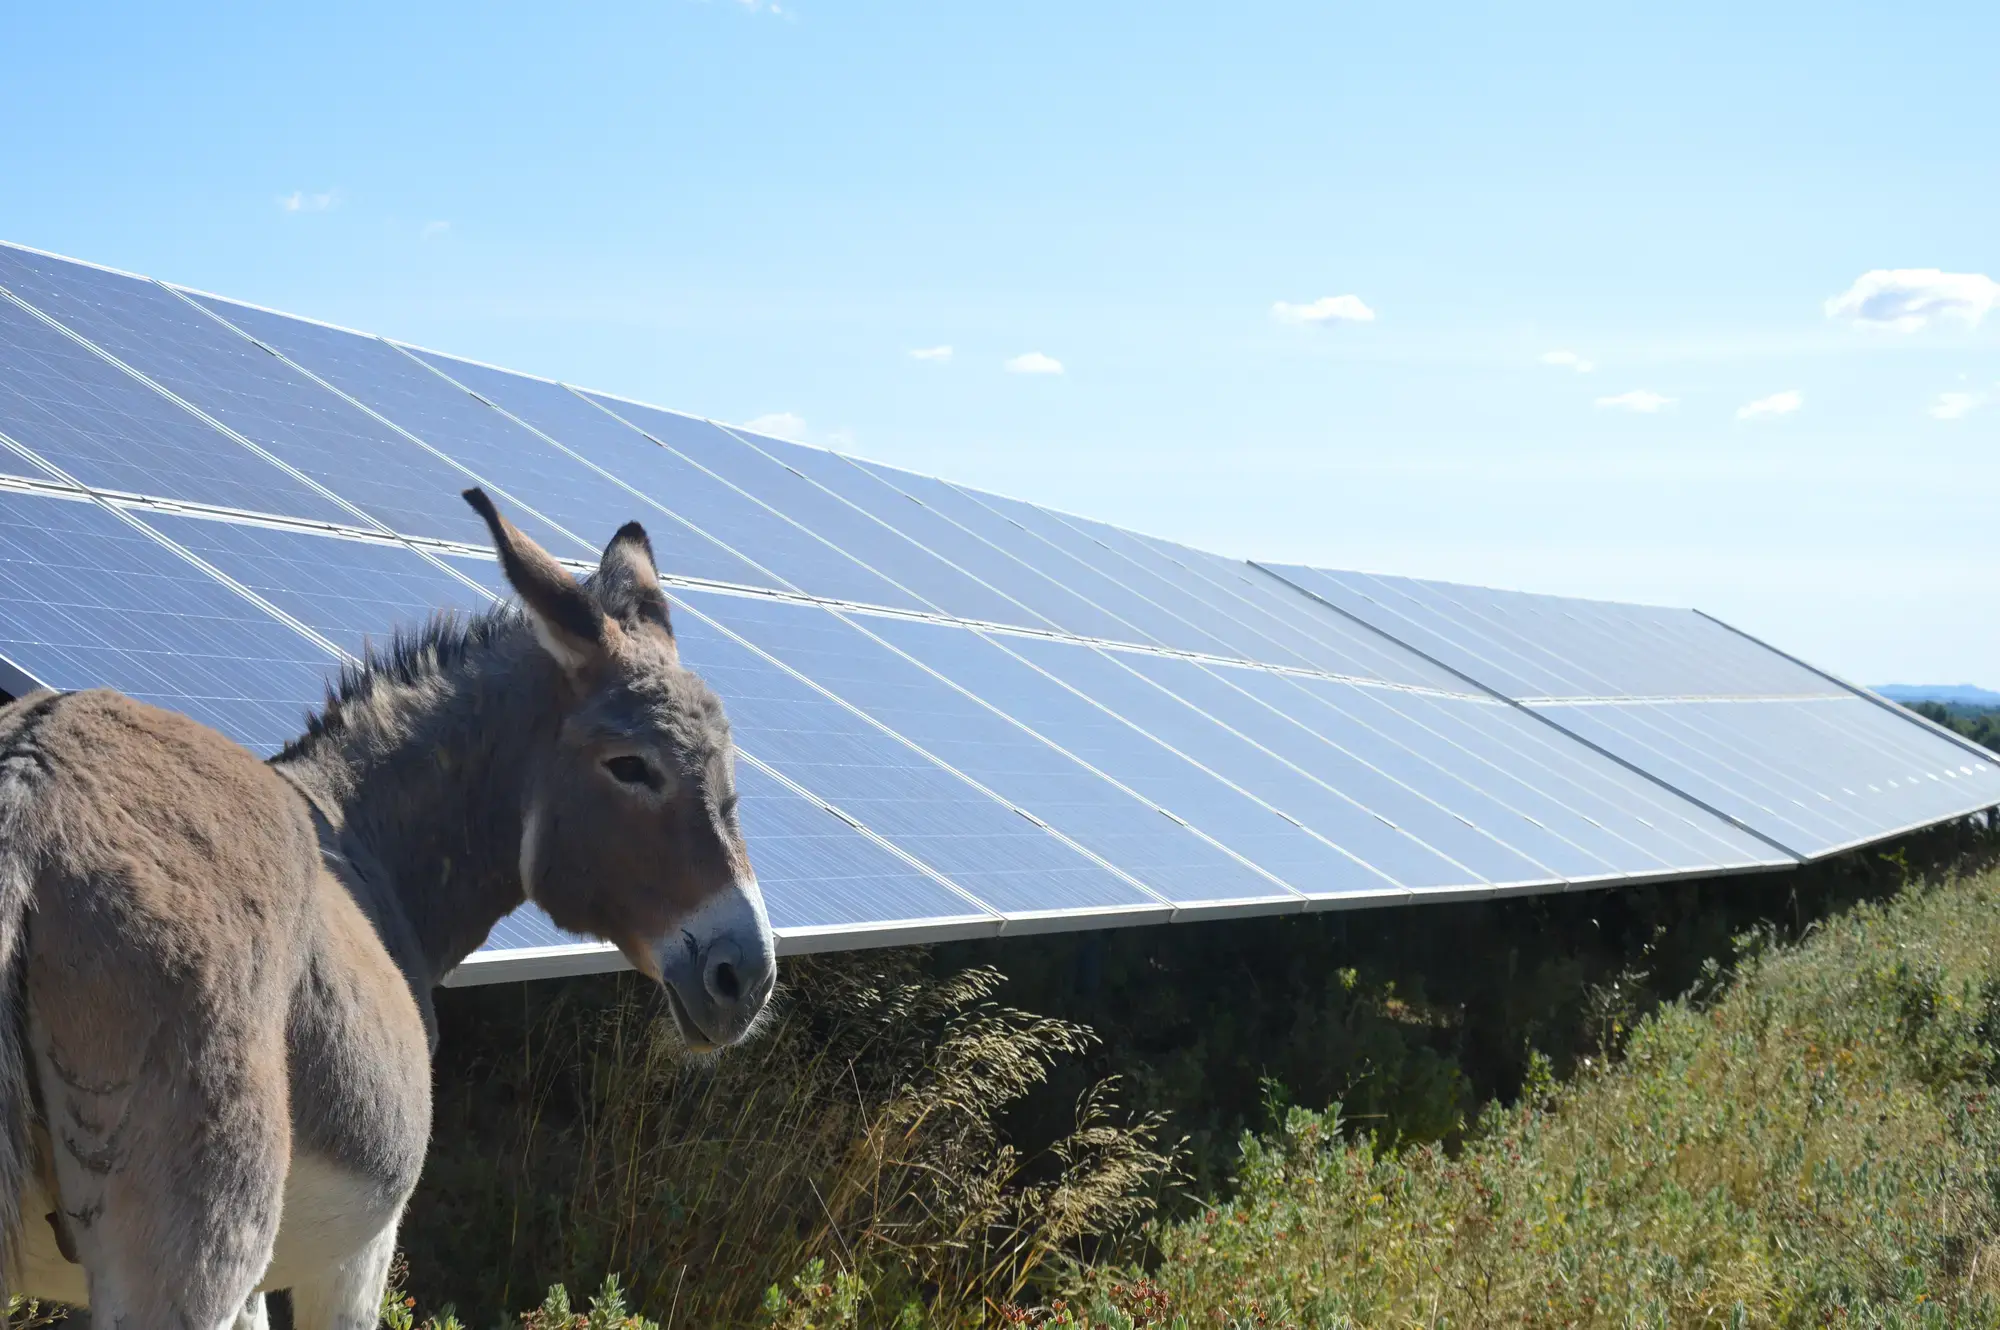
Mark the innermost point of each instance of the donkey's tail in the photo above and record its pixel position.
(23, 779)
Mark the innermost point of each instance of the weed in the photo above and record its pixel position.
(861, 1133)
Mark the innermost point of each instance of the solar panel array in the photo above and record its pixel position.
(958, 713)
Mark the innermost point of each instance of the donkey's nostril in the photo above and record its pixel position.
(724, 982)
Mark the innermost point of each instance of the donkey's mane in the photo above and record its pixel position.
(412, 657)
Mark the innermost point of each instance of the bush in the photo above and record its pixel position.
(1819, 1146)
(860, 1134)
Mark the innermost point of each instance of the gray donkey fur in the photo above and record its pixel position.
(215, 1048)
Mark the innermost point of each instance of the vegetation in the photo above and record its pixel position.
(902, 1149)
(859, 1135)
(1979, 724)
(1819, 1145)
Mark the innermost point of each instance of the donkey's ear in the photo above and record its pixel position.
(627, 583)
(569, 624)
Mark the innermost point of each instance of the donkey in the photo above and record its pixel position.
(217, 972)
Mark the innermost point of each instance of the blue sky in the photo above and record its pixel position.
(760, 211)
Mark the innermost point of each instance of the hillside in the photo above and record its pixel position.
(1951, 694)
(1818, 1145)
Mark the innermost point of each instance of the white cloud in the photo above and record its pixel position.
(1034, 362)
(780, 425)
(1568, 360)
(1646, 403)
(432, 230)
(300, 201)
(1956, 406)
(1777, 404)
(1327, 309)
(1905, 299)
(931, 353)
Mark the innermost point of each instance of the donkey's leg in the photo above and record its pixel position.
(348, 1295)
(171, 1147)
(186, 1245)
(255, 1315)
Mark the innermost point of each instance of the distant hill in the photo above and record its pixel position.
(1952, 694)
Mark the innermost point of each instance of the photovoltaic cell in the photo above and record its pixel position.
(937, 817)
(89, 601)
(1232, 589)
(802, 557)
(819, 873)
(352, 592)
(1366, 753)
(739, 458)
(1669, 751)
(1020, 767)
(398, 483)
(1709, 712)
(528, 929)
(1814, 774)
(1070, 595)
(108, 430)
(1013, 585)
(647, 480)
(1399, 618)
(1532, 646)
(1132, 593)
(1555, 780)
(1143, 594)
(1163, 775)
(238, 383)
(1357, 795)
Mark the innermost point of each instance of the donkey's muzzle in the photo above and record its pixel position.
(720, 968)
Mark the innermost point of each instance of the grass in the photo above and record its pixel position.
(859, 1136)
(1807, 1138)
(1819, 1144)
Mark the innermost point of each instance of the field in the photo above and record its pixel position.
(1743, 1102)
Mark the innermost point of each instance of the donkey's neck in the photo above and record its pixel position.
(420, 766)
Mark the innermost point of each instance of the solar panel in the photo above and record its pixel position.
(351, 591)
(1622, 817)
(938, 585)
(1157, 767)
(89, 600)
(884, 778)
(1327, 729)
(806, 559)
(1069, 594)
(1229, 590)
(357, 464)
(957, 712)
(651, 484)
(89, 420)
(1355, 770)
(1142, 594)
(979, 583)
(1805, 762)
(974, 738)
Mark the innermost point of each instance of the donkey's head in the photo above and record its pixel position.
(629, 822)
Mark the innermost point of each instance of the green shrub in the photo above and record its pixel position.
(1821, 1145)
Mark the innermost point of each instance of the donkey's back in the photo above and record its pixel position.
(198, 1015)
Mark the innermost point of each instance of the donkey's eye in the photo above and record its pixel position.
(630, 770)
(727, 806)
